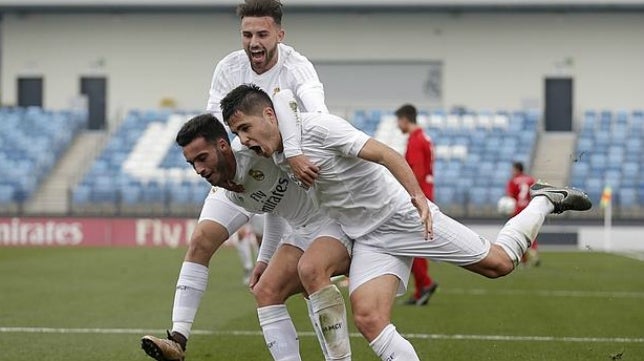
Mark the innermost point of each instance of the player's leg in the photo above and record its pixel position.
(278, 282)
(219, 218)
(424, 285)
(207, 237)
(375, 280)
(325, 257)
(244, 246)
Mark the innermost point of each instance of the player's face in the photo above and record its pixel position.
(210, 162)
(260, 36)
(403, 125)
(259, 132)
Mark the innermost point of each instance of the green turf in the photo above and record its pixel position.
(572, 300)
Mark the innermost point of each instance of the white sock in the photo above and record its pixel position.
(517, 234)
(279, 333)
(330, 313)
(192, 282)
(391, 346)
(245, 251)
(316, 328)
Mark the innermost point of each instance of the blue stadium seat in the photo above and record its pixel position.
(7, 192)
(628, 197)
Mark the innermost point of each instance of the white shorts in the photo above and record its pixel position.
(218, 208)
(302, 237)
(390, 248)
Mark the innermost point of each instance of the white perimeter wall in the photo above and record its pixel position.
(490, 61)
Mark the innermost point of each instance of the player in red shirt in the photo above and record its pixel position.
(420, 157)
(519, 188)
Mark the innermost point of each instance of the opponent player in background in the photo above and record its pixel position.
(245, 183)
(518, 188)
(420, 157)
(373, 206)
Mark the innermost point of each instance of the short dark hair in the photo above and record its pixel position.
(246, 98)
(518, 166)
(407, 111)
(260, 8)
(203, 125)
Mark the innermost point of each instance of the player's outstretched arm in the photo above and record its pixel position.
(377, 152)
(290, 126)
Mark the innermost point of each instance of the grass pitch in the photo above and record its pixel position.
(95, 304)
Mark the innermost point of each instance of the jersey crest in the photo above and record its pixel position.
(257, 175)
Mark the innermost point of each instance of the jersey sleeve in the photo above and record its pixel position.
(220, 85)
(303, 84)
(289, 122)
(274, 227)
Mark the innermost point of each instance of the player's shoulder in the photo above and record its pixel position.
(235, 59)
(292, 58)
(321, 125)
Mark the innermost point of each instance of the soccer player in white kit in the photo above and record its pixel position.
(259, 186)
(372, 205)
(267, 62)
(271, 65)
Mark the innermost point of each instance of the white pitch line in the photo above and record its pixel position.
(144, 331)
(638, 256)
(544, 293)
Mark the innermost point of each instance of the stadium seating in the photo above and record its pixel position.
(474, 152)
(609, 154)
(141, 171)
(31, 142)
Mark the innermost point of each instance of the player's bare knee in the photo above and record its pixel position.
(368, 322)
(495, 265)
(200, 250)
(267, 294)
(310, 273)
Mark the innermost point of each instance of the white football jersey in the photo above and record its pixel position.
(268, 189)
(292, 71)
(359, 194)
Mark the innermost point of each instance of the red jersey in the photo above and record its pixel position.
(519, 188)
(420, 156)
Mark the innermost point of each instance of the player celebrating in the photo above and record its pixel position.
(373, 208)
(266, 61)
(259, 186)
(271, 65)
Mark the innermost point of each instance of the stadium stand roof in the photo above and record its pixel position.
(329, 5)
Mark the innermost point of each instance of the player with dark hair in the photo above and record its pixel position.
(253, 185)
(420, 157)
(384, 211)
(271, 65)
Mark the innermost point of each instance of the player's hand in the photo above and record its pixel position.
(259, 269)
(425, 215)
(305, 171)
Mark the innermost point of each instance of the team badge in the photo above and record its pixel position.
(257, 175)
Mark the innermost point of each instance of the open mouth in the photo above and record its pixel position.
(257, 55)
(257, 149)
